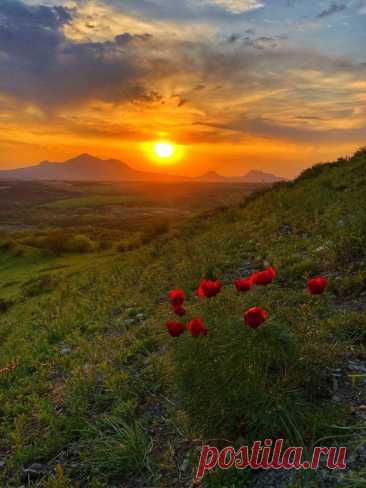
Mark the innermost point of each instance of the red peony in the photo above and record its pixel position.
(254, 317)
(179, 310)
(208, 288)
(175, 329)
(197, 328)
(316, 286)
(242, 285)
(176, 297)
(265, 277)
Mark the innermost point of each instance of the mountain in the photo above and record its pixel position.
(212, 177)
(85, 168)
(253, 176)
(89, 168)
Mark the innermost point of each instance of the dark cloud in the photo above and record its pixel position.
(39, 64)
(30, 35)
(256, 42)
(263, 127)
(263, 42)
(182, 101)
(127, 38)
(233, 38)
(332, 9)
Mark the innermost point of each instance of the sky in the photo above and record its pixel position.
(275, 85)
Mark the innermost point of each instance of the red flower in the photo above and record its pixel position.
(175, 329)
(176, 297)
(243, 285)
(263, 278)
(179, 310)
(208, 288)
(316, 286)
(254, 317)
(197, 328)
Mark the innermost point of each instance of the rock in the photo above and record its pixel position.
(65, 350)
(357, 366)
(185, 465)
(140, 317)
(129, 322)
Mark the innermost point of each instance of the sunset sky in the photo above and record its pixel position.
(275, 85)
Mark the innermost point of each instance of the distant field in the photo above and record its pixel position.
(64, 226)
(89, 201)
(40, 205)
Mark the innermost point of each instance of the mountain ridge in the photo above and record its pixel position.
(253, 176)
(86, 167)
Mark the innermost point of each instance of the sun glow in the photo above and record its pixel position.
(164, 149)
(163, 152)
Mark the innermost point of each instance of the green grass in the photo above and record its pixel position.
(18, 271)
(90, 202)
(99, 387)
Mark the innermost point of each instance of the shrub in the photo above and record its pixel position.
(122, 448)
(18, 251)
(154, 231)
(129, 245)
(235, 384)
(55, 241)
(7, 245)
(350, 246)
(5, 305)
(235, 381)
(235, 378)
(105, 245)
(80, 244)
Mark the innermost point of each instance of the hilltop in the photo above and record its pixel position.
(95, 386)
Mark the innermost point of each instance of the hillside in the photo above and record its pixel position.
(93, 389)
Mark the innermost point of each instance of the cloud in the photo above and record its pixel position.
(39, 64)
(362, 8)
(332, 9)
(233, 6)
(127, 38)
(263, 42)
(249, 84)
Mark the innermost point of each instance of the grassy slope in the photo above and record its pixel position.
(91, 390)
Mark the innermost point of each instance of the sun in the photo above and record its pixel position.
(164, 150)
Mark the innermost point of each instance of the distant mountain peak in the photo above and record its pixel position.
(85, 167)
(257, 176)
(211, 176)
(253, 176)
(84, 157)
